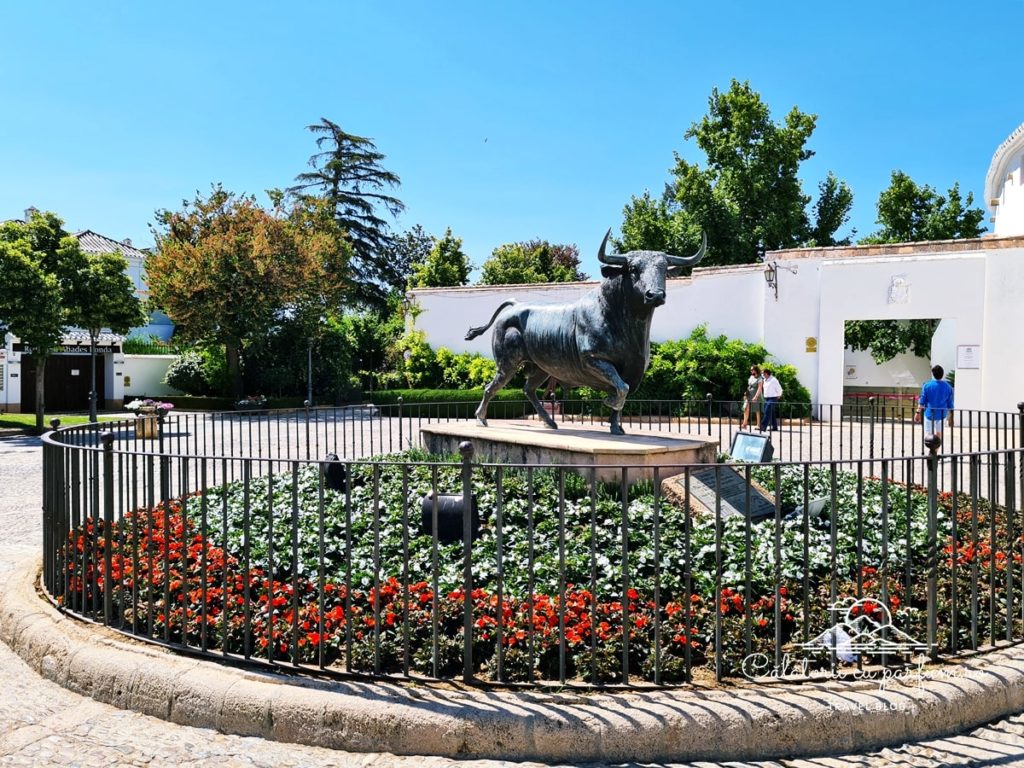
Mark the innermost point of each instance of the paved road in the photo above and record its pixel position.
(42, 724)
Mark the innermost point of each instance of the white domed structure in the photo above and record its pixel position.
(1004, 186)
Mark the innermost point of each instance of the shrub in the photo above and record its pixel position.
(464, 369)
(198, 372)
(690, 368)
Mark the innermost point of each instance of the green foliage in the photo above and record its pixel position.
(411, 247)
(199, 371)
(418, 361)
(690, 368)
(148, 344)
(40, 269)
(446, 265)
(459, 395)
(888, 338)
(748, 196)
(372, 536)
(105, 295)
(909, 213)
(464, 369)
(226, 270)
(831, 211)
(347, 174)
(533, 261)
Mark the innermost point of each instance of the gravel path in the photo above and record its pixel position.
(43, 724)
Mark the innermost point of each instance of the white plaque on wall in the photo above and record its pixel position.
(968, 356)
(899, 290)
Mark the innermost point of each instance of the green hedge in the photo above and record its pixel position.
(198, 403)
(457, 403)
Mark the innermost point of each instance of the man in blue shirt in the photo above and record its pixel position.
(935, 404)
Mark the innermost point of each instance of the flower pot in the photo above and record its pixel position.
(147, 424)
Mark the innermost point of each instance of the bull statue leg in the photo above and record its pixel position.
(606, 371)
(534, 378)
(501, 378)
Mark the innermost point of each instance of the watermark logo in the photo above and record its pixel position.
(865, 629)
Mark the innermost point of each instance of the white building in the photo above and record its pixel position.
(1004, 186)
(68, 371)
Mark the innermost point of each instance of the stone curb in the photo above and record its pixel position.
(662, 725)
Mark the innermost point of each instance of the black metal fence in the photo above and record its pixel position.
(235, 535)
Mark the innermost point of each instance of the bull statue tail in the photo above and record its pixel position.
(475, 331)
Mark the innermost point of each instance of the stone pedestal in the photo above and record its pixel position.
(147, 424)
(520, 442)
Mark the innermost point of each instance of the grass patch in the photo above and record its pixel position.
(27, 421)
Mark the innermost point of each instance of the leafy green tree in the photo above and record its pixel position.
(104, 297)
(910, 213)
(227, 270)
(532, 261)
(446, 265)
(888, 338)
(748, 196)
(831, 212)
(347, 174)
(39, 266)
(411, 247)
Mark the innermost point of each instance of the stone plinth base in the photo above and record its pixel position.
(520, 442)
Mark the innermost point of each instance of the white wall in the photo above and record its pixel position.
(729, 301)
(791, 322)
(145, 374)
(945, 286)
(906, 370)
(977, 294)
(1002, 352)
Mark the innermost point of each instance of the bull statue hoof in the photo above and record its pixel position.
(481, 422)
(616, 425)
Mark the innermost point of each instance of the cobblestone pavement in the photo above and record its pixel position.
(43, 724)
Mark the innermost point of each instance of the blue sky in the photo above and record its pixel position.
(505, 121)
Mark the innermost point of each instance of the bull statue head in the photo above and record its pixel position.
(614, 264)
(601, 341)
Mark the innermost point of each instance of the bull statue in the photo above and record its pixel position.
(602, 341)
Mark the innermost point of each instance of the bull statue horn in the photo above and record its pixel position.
(614, 259)
(689, 261)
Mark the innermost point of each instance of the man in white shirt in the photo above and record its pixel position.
(771, 389)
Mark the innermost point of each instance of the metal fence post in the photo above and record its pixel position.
(401, 445)
(466, 450)
(165, 461)
(305, 404)
(107, 438)
(1020, 411)
(707, 398)
(932, 443)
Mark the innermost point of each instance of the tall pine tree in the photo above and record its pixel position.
(347, 173)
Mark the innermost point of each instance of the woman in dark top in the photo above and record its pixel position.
(752, 398)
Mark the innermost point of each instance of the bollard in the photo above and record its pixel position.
(450, 513)
(335, 475)
(466, 450)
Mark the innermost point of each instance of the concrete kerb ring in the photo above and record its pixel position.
(680, 725)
